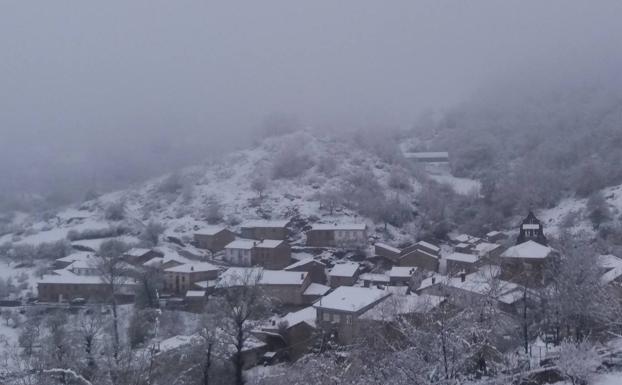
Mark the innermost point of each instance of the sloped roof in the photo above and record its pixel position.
(528, 250)
(347, 269)
(351, 299)
(339, 226)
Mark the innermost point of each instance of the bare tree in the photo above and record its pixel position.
(259, 184)
(241, 303)
(151, 233)
(111, 269)
(577, 361)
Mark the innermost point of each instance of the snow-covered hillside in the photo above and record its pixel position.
(572, 214)
(182, 209)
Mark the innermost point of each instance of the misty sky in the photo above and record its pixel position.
(126, 87)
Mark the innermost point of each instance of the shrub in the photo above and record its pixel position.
(290, 163)
(115, 211)
(399, 180)
(170, 185)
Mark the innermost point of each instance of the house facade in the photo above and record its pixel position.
(180, 279)
(271, 254)
(337, 235)
(315, 268)
(338, 313)
(239, 252)
(273, 229)
(343, 274)
(213, 238)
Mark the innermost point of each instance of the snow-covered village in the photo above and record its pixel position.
(318, 193)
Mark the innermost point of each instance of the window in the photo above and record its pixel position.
(349, 319)
(336, 318)
(326, 317)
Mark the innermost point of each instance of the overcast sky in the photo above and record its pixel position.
(87, 84)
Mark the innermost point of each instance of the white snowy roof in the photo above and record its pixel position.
(351, 299)
(307, 315)
(339, 226)
(613, 265)
(79, 256)
(236, 276)
(485, 247)
(90, 263)
(347, 269)
(316, 289)
(464, 238)
(269, 243)
(480, 282)
(192, 268)
(402, 271)
(493, 233)
(136, 252)
(245, 244)
(205, 284)
(387, 247)
(429, 246)
(398, 305)
(71, 278)
(374, 277)
(154, 262)
(528, 250)
(265, 223)
(195, 293)
(462, 257)
(303, 262)
(210, 230)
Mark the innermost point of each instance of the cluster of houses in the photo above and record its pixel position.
(338, 298)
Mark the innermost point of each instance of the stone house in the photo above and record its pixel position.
(239, 252)
(180, 279)
(527, 263)
(293, 333)
(315, 268)
(338, 312)
(343, 274)
(420, 258)
(284, 287)
(371, 279)
(389, 252)
(460, 262)
(213, 238)
(138, 256)
(271, 254)
(337, 235)
(264, 229)
(68, 286)
(401, 275)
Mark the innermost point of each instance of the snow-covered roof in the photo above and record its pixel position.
(206, 284)
(493, 233)
(303, 262)
(347, 269)
(245, 244)
(463, 238)
(387, 247)
(195, 293)
(154, 262)
(316, 289)
(210, 230)
(402, 271)
(485, 247)
(195, 267)
(374, 277)
(421, 251)
(236, 276)
(70, 278)
(398, 305)
(613, 265)
(528, 250)
(480, 282)
(265, 223)
(339, 226)
(428, 245)
(136, 252)
(307, 315)
(351, 299)
(269, 243)
(79, 256)
(462, 257)
(90, 263)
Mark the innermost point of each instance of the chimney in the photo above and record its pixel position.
(462, 276)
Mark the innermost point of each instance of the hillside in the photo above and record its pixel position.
(182, 202)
